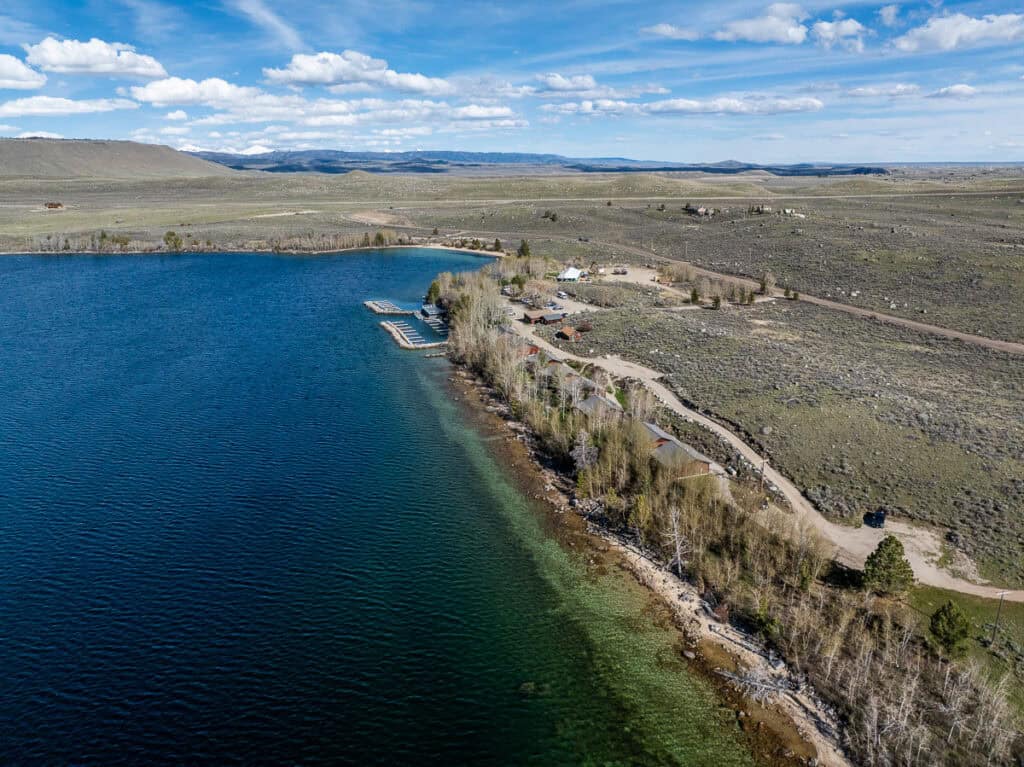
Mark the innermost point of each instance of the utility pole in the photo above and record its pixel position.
(999, 612)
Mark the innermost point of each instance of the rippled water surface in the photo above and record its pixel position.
(239, 526)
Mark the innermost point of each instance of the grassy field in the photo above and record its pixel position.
(860, 415)
(1006, 656)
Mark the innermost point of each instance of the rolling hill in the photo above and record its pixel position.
(40, 158)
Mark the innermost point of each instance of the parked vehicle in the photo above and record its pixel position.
(875, 519)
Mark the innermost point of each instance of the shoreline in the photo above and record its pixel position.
(272, 251)
(712, 649)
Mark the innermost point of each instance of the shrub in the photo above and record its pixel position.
(173, 241)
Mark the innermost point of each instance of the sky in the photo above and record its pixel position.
(760, 82)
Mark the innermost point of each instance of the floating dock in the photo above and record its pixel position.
(386, 307)
(408, 337)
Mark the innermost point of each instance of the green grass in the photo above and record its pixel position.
(1008, 654)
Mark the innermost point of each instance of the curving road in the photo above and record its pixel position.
(852, 545)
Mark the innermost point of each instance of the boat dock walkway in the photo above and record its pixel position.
(407, 336)
(386, 307)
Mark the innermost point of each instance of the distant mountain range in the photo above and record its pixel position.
(336, 161)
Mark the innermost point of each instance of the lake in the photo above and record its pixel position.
(238, 525)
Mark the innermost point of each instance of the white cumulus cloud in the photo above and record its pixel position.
(780, 23)
(14, 75)
(352, 68)
(847, 33)
(947, 33)
(45, 106)
(176, 90)
(38, 134)
(177, 114)
(671, 31)
(958, 91)
(556, 82)
(93, 57)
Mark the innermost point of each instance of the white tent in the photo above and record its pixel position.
(571, 274)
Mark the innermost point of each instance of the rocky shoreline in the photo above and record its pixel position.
(783, 719)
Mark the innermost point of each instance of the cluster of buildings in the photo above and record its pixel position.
(593, 401)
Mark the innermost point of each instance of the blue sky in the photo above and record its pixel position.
(763, 82)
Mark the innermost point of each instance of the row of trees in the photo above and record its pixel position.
(865, 652)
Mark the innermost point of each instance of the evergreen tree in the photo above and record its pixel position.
(887, 570)
(524, 249)
(950, 627)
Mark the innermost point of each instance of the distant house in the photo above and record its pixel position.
(671, 453)
(569, 333)
(599, 405)
(54, 205)
(553, 318)
(570, 274)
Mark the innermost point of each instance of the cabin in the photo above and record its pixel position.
(570, 274)
(671, 453)
(533, 317)
(600, 405)
(553, 318)
(569, 333)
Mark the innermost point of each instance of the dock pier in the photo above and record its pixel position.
(407, 337)
(386, 307)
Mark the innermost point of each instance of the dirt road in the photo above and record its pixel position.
(853, 545)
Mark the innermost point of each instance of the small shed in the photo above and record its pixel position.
(552, 318)
(569, 333)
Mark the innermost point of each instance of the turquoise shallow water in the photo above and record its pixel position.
(239, 526)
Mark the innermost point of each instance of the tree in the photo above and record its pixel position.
(497, 245)
(524, 249)
(173, 241)
(435, 232)
(584, 455)
(694, 296)
(767, 283)
(887, 570)
(433, 292)
(950, 627)
(378, 239)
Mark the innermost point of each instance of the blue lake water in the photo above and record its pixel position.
(238, 525)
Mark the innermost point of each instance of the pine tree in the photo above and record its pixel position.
(887, 570)
(950, 627)
(524, 249)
